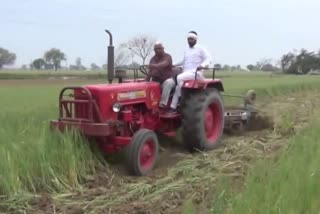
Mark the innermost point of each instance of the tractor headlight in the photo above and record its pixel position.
(116, 107)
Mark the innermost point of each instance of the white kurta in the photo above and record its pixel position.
(193, 58)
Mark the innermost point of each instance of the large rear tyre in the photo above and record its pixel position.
(203, 120)
(142, 152)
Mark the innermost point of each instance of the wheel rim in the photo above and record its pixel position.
(146, 155)
(212, 122)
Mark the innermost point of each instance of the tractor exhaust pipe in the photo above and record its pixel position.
(110, 61)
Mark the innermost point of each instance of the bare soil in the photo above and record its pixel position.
(174, 180)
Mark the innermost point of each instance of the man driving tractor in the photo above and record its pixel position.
(160, 70)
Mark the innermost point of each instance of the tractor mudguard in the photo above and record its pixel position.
(203, 84)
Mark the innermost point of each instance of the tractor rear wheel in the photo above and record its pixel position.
(142, 152)
(203, 120)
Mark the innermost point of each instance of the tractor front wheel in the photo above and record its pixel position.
(142, 152)
(203, 120)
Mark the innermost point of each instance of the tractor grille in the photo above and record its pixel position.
(135, 115)
(75, 109)
(78, 105)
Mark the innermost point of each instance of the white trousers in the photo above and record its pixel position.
(166, 88)
(180, 79)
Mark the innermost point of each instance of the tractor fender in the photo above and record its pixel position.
(190, 87)
(217, 85)
(203, 84)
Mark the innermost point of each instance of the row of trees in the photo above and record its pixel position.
(264, 65)
(141, 46)
(295, 62)
(301, 62)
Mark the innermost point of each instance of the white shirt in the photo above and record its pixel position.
(194, 57)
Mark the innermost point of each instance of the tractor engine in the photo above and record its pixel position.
(132, 105)
(137, 116)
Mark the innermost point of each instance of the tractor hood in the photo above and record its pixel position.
(106, 95)
(122, 88)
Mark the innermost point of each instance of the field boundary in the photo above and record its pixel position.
(102, 74)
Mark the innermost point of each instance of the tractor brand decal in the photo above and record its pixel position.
(131, 95)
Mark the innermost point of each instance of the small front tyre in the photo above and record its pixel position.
(142, 152)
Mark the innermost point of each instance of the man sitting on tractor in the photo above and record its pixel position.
(196, 58)
(160, 70)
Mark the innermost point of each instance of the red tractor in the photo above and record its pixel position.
(125, 115)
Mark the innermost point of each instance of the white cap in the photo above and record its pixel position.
(192, 35)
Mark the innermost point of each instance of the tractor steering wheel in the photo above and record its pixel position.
(143, 69)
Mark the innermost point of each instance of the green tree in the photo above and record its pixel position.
(307, 61)
(253, 68)
(226, 67)
(54, 56)
(39, 63)
(6, 57)
(217, 66)
(78, 63)
(268, 67)
(94, 66)
(287, 60)
(303, 62)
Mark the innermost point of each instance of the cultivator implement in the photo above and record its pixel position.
(239, 118)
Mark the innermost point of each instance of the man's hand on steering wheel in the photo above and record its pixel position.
(144, 70)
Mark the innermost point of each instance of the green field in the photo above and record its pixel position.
(35, 161)
(288, 183)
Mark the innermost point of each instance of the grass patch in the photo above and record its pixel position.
(33, 159)
(286, 183)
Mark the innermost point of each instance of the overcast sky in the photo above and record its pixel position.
(235, 32)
